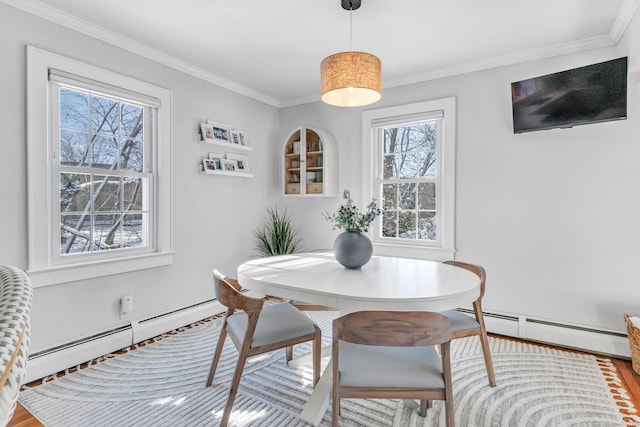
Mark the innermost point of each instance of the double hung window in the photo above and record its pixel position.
(409, 154)
(100, 163)
(99, 171)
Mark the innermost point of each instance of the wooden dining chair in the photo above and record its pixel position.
(463, 325)
(391, 354)
(256, 328)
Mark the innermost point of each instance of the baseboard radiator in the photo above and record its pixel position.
(56, 359)
(593, 340)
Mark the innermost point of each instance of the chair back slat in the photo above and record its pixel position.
(228, 293)
(389, 328)
(460, 326)
(477, 269)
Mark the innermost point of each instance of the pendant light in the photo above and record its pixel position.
(351, 79)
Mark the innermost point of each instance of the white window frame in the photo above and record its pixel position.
(444, 247)
(42, 247)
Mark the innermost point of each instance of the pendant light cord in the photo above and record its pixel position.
(351, 28)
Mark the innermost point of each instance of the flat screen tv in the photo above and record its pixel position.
(591, 94)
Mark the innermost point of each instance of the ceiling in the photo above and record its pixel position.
(271, 49)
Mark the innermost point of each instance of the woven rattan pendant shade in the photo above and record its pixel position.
(351, 79)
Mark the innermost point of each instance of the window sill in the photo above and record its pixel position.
(74, 272)
(413, 251)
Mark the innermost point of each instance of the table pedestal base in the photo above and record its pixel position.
(318, 403)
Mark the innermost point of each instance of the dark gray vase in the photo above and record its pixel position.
(352, 249)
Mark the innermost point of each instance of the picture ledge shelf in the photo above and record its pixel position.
(228, 145)
(228, 173)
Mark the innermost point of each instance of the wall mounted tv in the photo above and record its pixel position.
(591, 94)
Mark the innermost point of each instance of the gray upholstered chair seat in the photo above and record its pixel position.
(379, 366)
(278, 322)
(460, 321)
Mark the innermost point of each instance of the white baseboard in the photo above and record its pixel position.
(600, 341)
(50, 361)
(54, 360)
(154, 326)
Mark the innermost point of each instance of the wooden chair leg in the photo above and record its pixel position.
(235, 384)
(449, 413)
(448, 389)
(335, 406)
(317, 355)
(289, 353)
(484, 342)
(335, 380)
(242, 359)
(424, 405)
(216, 355)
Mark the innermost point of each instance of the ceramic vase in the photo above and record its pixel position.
(352, 249)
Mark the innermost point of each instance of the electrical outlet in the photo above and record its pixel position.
(126, 306)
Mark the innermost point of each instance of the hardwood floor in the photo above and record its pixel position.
(630, 380)
(23, 418)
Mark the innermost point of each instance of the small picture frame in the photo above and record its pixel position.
(209, 165)
(216, 158)
(207, 132)
(215, 132)
(242, 162)
(229, 165)
(238, 137)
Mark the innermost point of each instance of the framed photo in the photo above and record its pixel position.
(209, 165)
(207, 132)
(242, 162)
(216, 158)
(229, 165)
(215, 132)
(238, 137)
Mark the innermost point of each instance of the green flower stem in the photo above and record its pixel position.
(348, 217)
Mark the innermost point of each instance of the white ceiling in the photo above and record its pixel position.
(271, 49)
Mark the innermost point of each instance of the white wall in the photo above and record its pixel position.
(552, 215)
(213, 216)
(344, 125)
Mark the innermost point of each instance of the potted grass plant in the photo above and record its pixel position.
(278, 236)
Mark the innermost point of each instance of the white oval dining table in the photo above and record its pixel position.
(384, 283)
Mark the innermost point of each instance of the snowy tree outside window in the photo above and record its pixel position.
(409, 166)
(409, 180)
(101, 167)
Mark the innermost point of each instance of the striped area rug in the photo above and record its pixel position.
(162, 384)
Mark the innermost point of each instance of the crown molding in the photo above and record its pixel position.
(44, 11)
(627, 11)
(506, 60)
(292, 102)
(493, 62)
(625, 15)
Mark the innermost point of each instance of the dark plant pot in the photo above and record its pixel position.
(353, 249)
